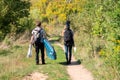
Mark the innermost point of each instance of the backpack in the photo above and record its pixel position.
(38, 36)
(68, 37)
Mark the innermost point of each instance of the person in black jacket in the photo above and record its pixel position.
(38, 34)
(68, 41)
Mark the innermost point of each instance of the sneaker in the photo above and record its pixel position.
(69, 62)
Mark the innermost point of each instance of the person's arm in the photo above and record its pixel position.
(31, 39)
(62, 34)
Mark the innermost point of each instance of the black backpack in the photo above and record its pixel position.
(39, 36)
(68, 37)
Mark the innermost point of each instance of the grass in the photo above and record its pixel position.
(14, 65)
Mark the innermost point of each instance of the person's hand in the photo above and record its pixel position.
(31, 42)
(74, 49)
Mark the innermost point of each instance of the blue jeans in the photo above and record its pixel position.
(68, 53)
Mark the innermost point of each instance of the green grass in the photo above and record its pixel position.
(14, 65)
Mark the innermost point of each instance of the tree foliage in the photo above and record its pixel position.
(52, 10)
(96, 24)
(11, 12)
(98, 27)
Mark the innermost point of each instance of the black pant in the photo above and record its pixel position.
(39, 46)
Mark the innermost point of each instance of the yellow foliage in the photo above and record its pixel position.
(44, 1)
(117, 48)
(62, 17)
(115, 41)
(56, 8)
(118, 41)
(102, 52)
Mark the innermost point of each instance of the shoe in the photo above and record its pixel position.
(37, 63)
(43, 63)
(69, 62)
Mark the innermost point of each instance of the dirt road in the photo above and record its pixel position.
(77, 71)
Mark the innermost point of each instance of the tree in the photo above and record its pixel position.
(11, 12)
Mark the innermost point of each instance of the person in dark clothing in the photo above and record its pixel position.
(68, 41)
(38, 34)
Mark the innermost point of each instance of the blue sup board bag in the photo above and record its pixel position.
(49, 50)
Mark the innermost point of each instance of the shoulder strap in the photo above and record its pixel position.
(40, 30)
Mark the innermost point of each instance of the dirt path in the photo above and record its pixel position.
(77, 71)
(35, 76)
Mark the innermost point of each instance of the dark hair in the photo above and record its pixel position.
(38, 23)
(67, 24)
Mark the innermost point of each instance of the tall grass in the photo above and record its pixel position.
(14, 65)
(98, 56)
